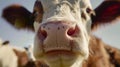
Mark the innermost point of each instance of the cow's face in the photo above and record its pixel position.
(62, 36)
(62, 27)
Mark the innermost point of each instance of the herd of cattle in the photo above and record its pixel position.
(62, 34)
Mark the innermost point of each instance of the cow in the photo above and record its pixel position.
(63, 31)
(11, 56)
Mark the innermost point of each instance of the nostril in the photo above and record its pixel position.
(43, 33)
(71, 31)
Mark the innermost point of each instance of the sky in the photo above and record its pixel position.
(109, 33)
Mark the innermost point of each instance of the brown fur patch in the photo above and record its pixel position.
(100, 54)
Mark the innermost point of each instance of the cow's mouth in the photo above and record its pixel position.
(60, 52)
(66, 53)
(60, 57)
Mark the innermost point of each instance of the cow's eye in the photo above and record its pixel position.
(88, 10)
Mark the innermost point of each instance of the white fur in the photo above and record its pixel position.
(30, 53)
(8, 57)
(68, 11)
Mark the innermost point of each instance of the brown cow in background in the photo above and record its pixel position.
(11, 56)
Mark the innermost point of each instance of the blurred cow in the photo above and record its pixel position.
(63, 31)
(11, 56)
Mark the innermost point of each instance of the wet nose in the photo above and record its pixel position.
(57, 30)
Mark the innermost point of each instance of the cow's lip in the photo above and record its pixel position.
(60, 52)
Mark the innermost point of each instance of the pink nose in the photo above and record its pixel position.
(57, 29)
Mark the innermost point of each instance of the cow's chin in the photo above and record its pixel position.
(62, 58)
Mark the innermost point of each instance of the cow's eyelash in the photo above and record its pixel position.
(88, 10)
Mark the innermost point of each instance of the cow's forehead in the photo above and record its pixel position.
(60, 8)
(54, 2)
(82, 3)
(59, 0)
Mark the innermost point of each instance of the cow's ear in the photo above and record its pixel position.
(22, 57)
(107, 12)
(19, 17)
